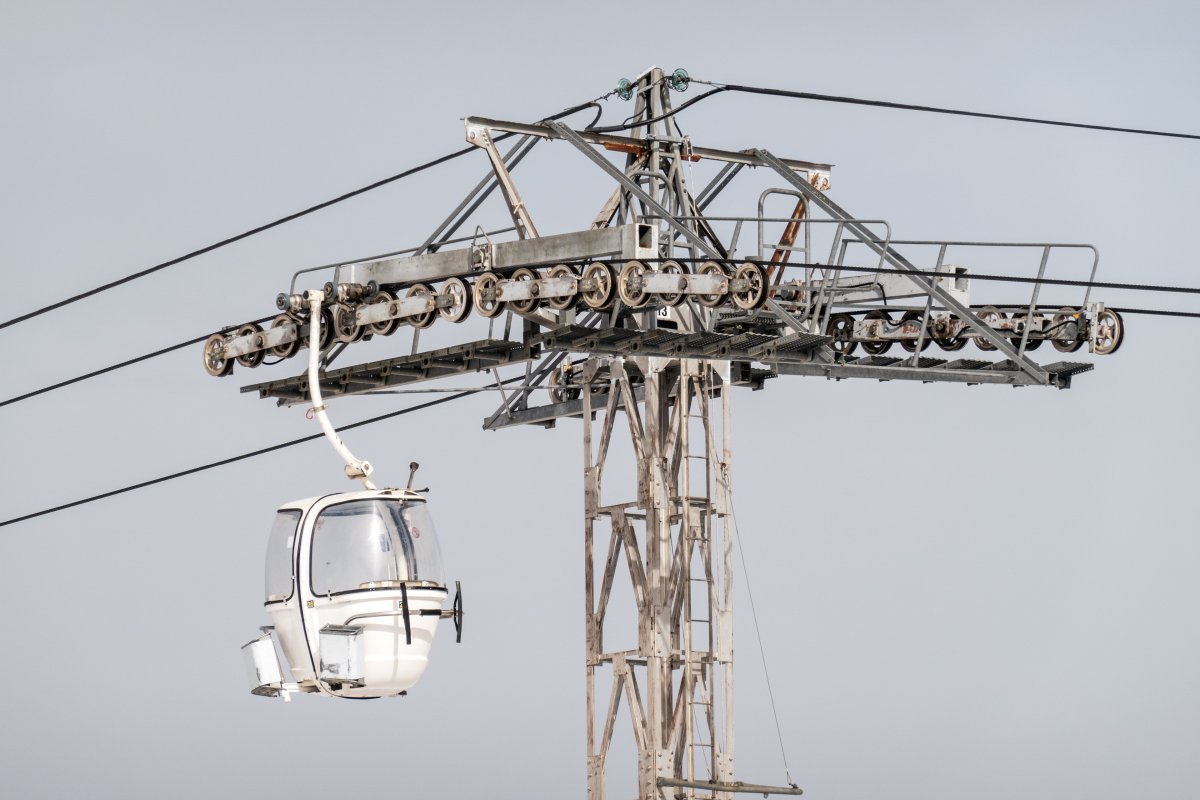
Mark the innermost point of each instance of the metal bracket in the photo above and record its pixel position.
(481, 137)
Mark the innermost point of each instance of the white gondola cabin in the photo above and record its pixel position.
(354, 591)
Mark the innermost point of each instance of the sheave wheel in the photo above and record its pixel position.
(1110, 332)
(486, 302)
(425, 319)
(947, 342)
(345, 324)
(629, 284)
(252, 359)
(565, 301)
(530, 305)
(327, 337)
(674, 268)
(215, 362)
(1065, 331)
(841, 328)
(287, 349)
(1036, 321)
(713, 300)
(560, 390)
(460, 300)
(603, 285)
(755, 293)
(388, 326)
(911, 344)
(993, 317)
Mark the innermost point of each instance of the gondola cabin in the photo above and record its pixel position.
(354, 591)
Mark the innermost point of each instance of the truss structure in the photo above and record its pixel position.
(650, 314)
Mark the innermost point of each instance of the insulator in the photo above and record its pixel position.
(624, 88)
(679, 80)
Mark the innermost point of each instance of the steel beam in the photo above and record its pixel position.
(618, 242)
(626, 144)
(1006, 372)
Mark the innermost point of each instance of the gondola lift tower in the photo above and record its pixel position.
(640, 324)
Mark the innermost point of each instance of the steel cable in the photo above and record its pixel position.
(1133, 287)
(268, 226)
(244, 456)
(103, 370)
(831, 98)
(718, 88)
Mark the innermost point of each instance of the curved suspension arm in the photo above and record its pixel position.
(355, 469)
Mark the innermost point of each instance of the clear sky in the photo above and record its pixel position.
(963, 592)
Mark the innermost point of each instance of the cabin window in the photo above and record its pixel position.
(279, 555)
(374, 544)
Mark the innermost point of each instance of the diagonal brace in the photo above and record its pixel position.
(900, 262)
(687, 233)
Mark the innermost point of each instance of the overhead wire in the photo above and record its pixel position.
(832, 98)
(112, 368)
(197, 340)
(1134, 287)
(1155, 312)
(273, 224)
(232, 239)
(243, 456)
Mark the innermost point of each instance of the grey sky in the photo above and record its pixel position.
(963, 592)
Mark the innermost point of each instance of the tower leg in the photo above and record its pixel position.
(676, 685)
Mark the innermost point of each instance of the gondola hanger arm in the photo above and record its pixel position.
(356, 469)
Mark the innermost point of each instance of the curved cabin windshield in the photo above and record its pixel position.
(374, 544)
(279, 555)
